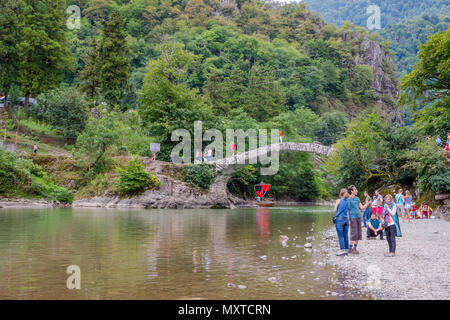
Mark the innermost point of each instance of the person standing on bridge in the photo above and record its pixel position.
(281, 136)
(233, 149)
(210, 155)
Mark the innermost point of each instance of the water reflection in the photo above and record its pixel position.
(164, 254)
(263, 224)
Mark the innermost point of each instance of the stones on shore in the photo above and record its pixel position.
(284, 239)
(26, 203)
(307, 245)
(412, 259)
(239, 286)
(300, 291)
(264, 257)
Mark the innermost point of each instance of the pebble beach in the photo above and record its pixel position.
(419, 270)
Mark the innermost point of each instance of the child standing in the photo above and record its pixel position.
(414, 211)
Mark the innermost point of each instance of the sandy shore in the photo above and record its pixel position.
(420, 269)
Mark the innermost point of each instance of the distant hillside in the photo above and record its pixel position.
(405, 23)
(406, 37)
(243, 45)
(392, 12)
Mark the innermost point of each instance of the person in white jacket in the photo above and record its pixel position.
(390, 210)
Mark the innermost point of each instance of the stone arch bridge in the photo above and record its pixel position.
(227, 166)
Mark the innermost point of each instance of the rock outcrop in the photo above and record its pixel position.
(384, 71)
(443, 210)
(171, 194)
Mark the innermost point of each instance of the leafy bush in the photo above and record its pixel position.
(243, 180)
(18, 176)
(99, 184)
(133, 179)
(32, 168)
(199, 175)
(10, 124)
(441, 182)
(64, 196)
(432, 172)
(46, 189)
(64, 109)
(12, 177)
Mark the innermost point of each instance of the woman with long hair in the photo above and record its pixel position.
(341, 209)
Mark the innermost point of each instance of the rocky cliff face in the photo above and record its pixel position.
(385, 79)
(443, 209)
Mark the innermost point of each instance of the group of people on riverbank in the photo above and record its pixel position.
(380, 217)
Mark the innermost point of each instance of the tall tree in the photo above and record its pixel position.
(114, 59)
(90, 74)
(44, 48)
(429, 82)
(265, 97)
(11, 26)
(166, 101)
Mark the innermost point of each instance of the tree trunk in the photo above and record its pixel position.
(27, 100)
(5, 102)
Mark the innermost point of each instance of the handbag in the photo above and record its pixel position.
(385, 223)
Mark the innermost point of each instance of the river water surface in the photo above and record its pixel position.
(167, 254)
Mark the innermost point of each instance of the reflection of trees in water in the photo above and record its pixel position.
(142, 253)
(263, 225)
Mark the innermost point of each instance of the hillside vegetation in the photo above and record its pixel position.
(404, 23)
(134, 71)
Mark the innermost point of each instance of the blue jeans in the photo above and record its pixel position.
(366, 215)
(342, 232)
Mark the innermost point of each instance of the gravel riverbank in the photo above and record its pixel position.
(420, 269)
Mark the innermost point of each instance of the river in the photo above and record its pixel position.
(167, 254)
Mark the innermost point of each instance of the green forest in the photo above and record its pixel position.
(404, 23)
(134, 71)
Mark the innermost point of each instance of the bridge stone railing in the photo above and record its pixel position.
(252, 156)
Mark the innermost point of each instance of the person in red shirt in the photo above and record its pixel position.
(414, 211)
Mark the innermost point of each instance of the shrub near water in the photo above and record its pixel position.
(199, 175)
(133, 179)
(22, 177)
(12, 177)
